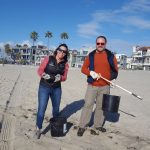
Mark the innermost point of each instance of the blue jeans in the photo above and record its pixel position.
(43, 97)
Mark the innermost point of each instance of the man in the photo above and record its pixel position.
(100, 62)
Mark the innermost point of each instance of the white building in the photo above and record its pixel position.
(141, 58)
(129, 61)
(1, 54)
(41, 52)
(77, 57)
(121, 60)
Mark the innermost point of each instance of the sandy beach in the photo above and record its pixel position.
(18, 107)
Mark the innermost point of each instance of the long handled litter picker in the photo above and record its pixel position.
(139, 97)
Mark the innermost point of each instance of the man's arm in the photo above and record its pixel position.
(115, 63)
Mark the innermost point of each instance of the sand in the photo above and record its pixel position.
(18, 107)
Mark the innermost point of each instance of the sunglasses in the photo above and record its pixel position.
(63, 51)
(100, 44)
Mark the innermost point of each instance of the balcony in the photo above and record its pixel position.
(146, 55)
(137, 64)
(146, 64)
(137, 56)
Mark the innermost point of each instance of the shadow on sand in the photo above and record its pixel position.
(0, 127)
(66, 112)
(72, 108)
(75, 106)
(110, 117)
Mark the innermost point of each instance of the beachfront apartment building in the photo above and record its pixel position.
(29, 55)
(72, 58)
(77, 57)
(21, 53)
(1, 54)
(128, 62)
(141, 58)
(34, 55)
(40, 53)
(121, 61)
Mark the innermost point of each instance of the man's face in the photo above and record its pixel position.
(100, 44)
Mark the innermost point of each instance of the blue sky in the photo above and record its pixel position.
(125, 23)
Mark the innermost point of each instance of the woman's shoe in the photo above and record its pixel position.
(37, 134)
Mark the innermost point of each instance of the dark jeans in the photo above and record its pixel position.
(43, 97)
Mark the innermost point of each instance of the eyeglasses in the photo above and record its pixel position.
(61, 50)
(100, 44)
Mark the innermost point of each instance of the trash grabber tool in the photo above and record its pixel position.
(139, 97)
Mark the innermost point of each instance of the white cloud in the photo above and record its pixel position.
(136, 6)
(124, 47)
(130, 15)
(103, 16)
(30, 43)
(138, 22)
(2, 44)
(26, 42)
(88, 29)
(127, 31)
(39, 43)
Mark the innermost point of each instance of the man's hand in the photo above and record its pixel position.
(99, 76)
(57, 77)
(112, 84)
(94, 75)
(45, 76)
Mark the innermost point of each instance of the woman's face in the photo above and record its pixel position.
(61, 52)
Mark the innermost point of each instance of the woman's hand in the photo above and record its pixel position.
(46, 76)
(57, 78)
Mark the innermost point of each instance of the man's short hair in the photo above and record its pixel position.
(101, 36)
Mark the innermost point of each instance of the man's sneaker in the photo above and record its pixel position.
(37, 134)
(94, 132)
(101, 129)
(80, 131)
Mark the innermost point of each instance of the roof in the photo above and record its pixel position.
(144, 48)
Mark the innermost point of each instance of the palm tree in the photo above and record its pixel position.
(25, 45)
(48, 35)
(34, 36)
(18, 46)
(8, 50)
(64, 35)
(18, 57)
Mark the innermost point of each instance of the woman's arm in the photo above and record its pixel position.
(64, 76)
(42, 66)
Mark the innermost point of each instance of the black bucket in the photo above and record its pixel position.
(110, 103)
(58, 126)
(111, 117)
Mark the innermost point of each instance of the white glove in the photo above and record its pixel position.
(45, 76)
(57, 77)
(99, 76)
(94, 75)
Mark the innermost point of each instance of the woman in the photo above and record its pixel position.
(52, 71)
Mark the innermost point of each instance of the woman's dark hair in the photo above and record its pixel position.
(66, 57)
(102, 37)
